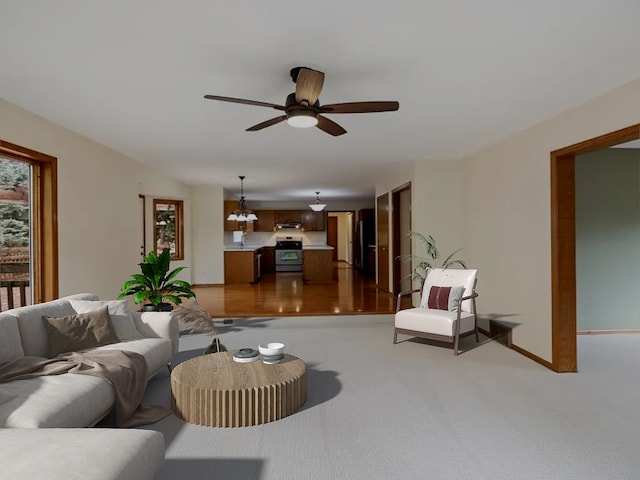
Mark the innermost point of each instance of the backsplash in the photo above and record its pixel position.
(268, 238)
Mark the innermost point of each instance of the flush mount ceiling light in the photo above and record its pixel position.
(302, 119)
(318, 206)
(242, 214)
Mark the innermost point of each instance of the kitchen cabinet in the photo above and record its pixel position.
(313, 221)
(266, 221)
(287, 216)
(318, 266)
(232, 225)
(241, 266)
(268, 259)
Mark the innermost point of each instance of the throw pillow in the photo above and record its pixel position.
(445, 298)
(121, 316)
(79, 332)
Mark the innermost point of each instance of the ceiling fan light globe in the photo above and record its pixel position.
(317, 207)
(303, 119)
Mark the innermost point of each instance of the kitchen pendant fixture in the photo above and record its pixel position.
(242, 214)
(318, 206)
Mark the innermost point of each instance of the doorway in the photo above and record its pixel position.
(340, 232)
(563, 245)
(401, 221)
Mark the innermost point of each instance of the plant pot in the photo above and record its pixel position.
(163, 307)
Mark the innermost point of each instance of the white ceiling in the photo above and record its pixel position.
(132, 75)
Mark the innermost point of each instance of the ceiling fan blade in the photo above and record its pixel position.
(267, 123)
(309, 85)
(244, 101)
(329, 126)
(360, 107)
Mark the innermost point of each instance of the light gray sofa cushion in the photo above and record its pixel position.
(119, 311)
(74, 454)
(67, 400)
(10, 344)
(32, 330)
(156, 351)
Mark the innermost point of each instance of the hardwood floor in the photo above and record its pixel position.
(285, 294)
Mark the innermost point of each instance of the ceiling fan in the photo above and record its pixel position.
(302, 108)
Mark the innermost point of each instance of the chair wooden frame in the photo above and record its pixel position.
(455, 338)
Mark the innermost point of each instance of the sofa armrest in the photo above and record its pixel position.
(158, 325)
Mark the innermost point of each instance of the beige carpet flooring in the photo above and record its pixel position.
(414, 411)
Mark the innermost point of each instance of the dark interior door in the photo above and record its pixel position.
(383, 241)
(332, 236)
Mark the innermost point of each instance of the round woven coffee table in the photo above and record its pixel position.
(215, 391)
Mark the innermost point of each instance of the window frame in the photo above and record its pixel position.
(179, 240)
(44, 215)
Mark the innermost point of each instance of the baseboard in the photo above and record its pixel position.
(608, 332)
(502, 335)
(531, 356)
(207, 285)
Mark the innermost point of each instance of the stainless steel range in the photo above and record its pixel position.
(289, 256)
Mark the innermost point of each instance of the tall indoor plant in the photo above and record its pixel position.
(156, 285)
(430, 260)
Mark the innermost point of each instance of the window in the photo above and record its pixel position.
(168, 227)
(28, 227)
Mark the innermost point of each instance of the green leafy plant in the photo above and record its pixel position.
(156, 284)
(430, 260)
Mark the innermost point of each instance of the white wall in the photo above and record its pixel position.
(208, 235)
(508, 221)
(98, 212)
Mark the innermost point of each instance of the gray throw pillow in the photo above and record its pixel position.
(80, 332)
(121, 316)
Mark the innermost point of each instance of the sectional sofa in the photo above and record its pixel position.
(44, 419)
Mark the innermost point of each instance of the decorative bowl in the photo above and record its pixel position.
(271, 349)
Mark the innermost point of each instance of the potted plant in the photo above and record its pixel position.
(423, 264)
(156, 285)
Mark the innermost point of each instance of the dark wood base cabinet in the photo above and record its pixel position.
(318, 266)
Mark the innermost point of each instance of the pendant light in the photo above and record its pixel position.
(318, 206)
(242, 214)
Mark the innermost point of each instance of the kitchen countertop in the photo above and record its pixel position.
(243, 248)
(253, 248)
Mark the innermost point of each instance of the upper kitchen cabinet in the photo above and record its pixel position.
(287, 216)
(233, 225)
(313, 221)
(229, 207)
(266, 221)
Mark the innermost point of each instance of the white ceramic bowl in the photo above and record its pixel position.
(273, 348)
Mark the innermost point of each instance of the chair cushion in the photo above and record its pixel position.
(445, 298)
(439, 322)
(450, 277)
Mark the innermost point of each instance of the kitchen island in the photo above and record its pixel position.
(246, 264)
(242, 264)
(318, 264)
